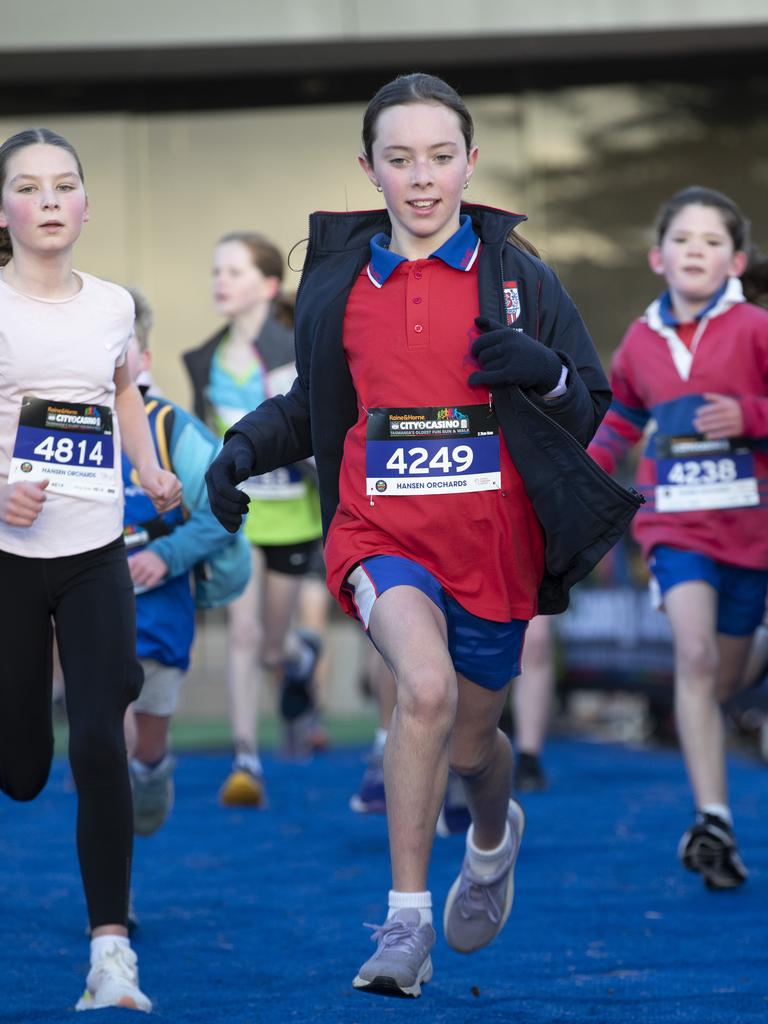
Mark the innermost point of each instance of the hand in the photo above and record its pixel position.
(720, 417)
(147, 569)
(21, 504)
(511, 357)
(161, 487)
(232, 465)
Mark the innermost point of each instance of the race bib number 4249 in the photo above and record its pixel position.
(67, 443)
(432, 450)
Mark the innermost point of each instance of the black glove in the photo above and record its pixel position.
(511, 357)
(232, 465)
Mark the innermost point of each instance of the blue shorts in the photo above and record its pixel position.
(485, 652)
(741, 592)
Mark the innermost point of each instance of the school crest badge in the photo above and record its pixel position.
(511, 301)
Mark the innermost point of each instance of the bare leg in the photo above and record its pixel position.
(409, 630)
(383, 686)
(692, 609)
(314, 603)
(481, 754)
(151, 737)
(245, 646)
(533, 689)
(280, 601)
(758, 655)
(735, 653)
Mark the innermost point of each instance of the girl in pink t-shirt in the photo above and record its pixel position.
(65, 399)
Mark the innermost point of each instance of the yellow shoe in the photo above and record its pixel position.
(243, 788)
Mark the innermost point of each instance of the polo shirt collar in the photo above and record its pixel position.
(459, 252)
(667, 315)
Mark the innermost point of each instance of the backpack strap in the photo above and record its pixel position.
(161, 418)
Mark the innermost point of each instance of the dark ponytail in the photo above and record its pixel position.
(6, 250)
(755, 278)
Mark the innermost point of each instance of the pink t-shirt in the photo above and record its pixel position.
(62, 350)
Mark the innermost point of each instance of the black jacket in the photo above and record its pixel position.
(583, 512)
(274, 345)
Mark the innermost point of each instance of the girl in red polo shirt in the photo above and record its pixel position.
(415, 346)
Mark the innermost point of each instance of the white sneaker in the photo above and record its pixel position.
(113, 980)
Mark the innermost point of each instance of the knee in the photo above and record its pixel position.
(96, 754)
(470, 756)
(429, 697)
(697, 662)
(26, 783)
(245, 636)
(134, 682)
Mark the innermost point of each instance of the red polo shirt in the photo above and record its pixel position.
(407, 342)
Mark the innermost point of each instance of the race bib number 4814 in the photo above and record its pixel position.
(432, 450)
(67, 443)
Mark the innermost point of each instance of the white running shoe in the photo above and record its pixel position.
(113, 980)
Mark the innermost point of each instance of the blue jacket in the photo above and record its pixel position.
(184, 537)
(583, 511)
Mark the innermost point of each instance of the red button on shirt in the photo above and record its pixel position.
(486, 547)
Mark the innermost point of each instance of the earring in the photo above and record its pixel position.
(379, 188)
(466, 184)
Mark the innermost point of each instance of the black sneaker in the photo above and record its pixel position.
(709, 848)
(529, 776)
(296, 696)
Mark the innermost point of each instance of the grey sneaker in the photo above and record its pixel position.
(152, 794)
(401, 961)
(477, 909)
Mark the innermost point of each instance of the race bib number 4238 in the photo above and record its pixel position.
(67, 443)
(695, 475)
(432, 450)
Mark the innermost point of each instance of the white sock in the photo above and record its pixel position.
(102, 943)
(250, 763)
(486, 863)
(144, 770)
(421, 901)
(721, 811)
(379, 741)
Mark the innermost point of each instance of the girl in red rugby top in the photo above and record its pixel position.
(692, 374)
(436, 421)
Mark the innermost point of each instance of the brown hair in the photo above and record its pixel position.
(266, 256)
(415, 88)
(419, 87)
(29, 137)
(755, 277)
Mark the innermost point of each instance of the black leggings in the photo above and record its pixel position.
(90, 598)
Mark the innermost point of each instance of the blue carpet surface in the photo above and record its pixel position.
(250, 917)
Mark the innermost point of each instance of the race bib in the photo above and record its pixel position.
(694, 474)
(432, 450)
(69, 444)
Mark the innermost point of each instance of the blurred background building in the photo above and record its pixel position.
(194, 118)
